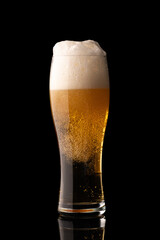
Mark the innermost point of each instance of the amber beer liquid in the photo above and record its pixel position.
(80, 116)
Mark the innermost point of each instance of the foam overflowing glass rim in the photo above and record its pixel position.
(78, 48)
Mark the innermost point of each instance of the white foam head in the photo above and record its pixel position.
(78, 65)
(73, 48)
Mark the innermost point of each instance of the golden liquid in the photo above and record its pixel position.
(80, 118)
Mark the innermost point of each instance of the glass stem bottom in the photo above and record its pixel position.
(94, 208)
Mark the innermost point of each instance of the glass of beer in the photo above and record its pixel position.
(79, 98)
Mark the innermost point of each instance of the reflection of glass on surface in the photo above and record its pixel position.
(78, 228)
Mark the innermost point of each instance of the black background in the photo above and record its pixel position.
(35, 171)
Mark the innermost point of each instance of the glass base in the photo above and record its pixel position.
(88, 208)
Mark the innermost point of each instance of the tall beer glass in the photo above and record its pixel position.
(79, 97)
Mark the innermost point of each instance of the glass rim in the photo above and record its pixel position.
(79, 55)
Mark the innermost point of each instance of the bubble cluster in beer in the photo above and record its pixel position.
(80, 118)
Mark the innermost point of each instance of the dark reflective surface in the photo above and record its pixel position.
(82, 228)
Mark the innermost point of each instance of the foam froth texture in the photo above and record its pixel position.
(70, 48)
(78, 65)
